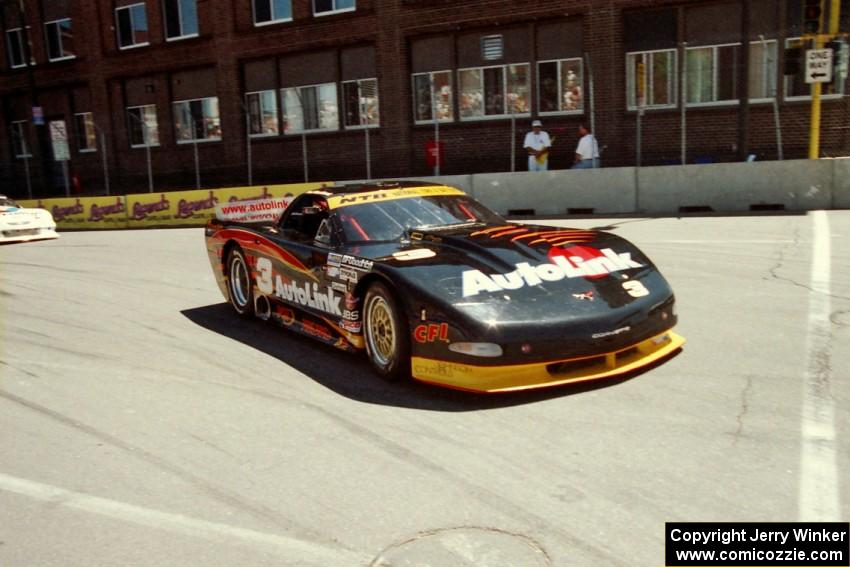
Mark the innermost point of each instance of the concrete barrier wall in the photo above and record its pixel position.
(841, 183)
(795, 185)
(610, 190)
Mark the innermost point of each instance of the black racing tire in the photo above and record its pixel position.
(240, 287)
(386, 334)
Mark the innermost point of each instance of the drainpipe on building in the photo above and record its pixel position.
(248, 143)
(439, 157)
(195, 151)
(684, 89)
(304, 155)
(368, 156)
(768, 64)
(744, 84)
(26, 152)
(102, 137)
(590, 95)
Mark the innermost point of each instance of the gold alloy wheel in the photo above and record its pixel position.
(380, 331)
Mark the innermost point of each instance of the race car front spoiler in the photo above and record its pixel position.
(515, 377)
(27, 234)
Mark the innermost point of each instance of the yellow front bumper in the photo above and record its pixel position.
(515, 377)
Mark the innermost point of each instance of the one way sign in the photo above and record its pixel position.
(818, 65)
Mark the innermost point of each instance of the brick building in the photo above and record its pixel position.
(347, 80)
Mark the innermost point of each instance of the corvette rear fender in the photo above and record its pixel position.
(228, 246)
(225, 252)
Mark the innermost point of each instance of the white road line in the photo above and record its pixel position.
(298, 551)
(819, 471)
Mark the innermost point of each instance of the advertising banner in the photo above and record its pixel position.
(83, 212)
(172, 208)
(196, 207)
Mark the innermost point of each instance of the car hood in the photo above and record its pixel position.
(496, 279)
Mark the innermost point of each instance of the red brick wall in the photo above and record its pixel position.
(228, 40)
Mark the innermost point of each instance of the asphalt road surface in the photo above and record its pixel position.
(142, 424)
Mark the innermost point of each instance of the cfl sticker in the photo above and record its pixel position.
(635, 288)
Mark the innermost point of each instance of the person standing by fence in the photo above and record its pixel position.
(537, 144)
(587, 151)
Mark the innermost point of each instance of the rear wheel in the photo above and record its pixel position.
(387, 341)
(239, 286)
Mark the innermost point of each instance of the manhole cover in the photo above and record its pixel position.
(464, 547)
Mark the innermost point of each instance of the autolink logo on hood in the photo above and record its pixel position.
(574, 262)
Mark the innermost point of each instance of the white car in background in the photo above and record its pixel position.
(20, 225)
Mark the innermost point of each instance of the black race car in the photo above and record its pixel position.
(434, 285)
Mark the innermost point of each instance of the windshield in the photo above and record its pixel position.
(7, 202)
(389, 220)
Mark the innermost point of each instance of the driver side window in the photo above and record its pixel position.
(305, 217)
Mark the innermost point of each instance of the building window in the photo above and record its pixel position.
(86, 136)
(262, 113)
(490, 92)
(197, 120)
(15, 42)
(560, 86)
(324, 7)
(132, 26)
(796, 87)
(20, 139)
(712, 73)
(181, 19)
(651, 79)
(360, 101)
(310, 109)
(60, 40)
(142, 125)
(271, 11)
(432, 92)
(763, 64)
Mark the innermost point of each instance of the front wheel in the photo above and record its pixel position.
(387, 341)
(239, 287)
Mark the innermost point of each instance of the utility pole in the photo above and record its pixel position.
(815, 13)
(813, 16)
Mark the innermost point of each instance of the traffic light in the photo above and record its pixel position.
(793, 60)
(812, 11)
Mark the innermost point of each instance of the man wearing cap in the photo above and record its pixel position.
(537, 144)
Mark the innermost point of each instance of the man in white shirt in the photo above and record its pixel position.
(587, 151)
(537, 144)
